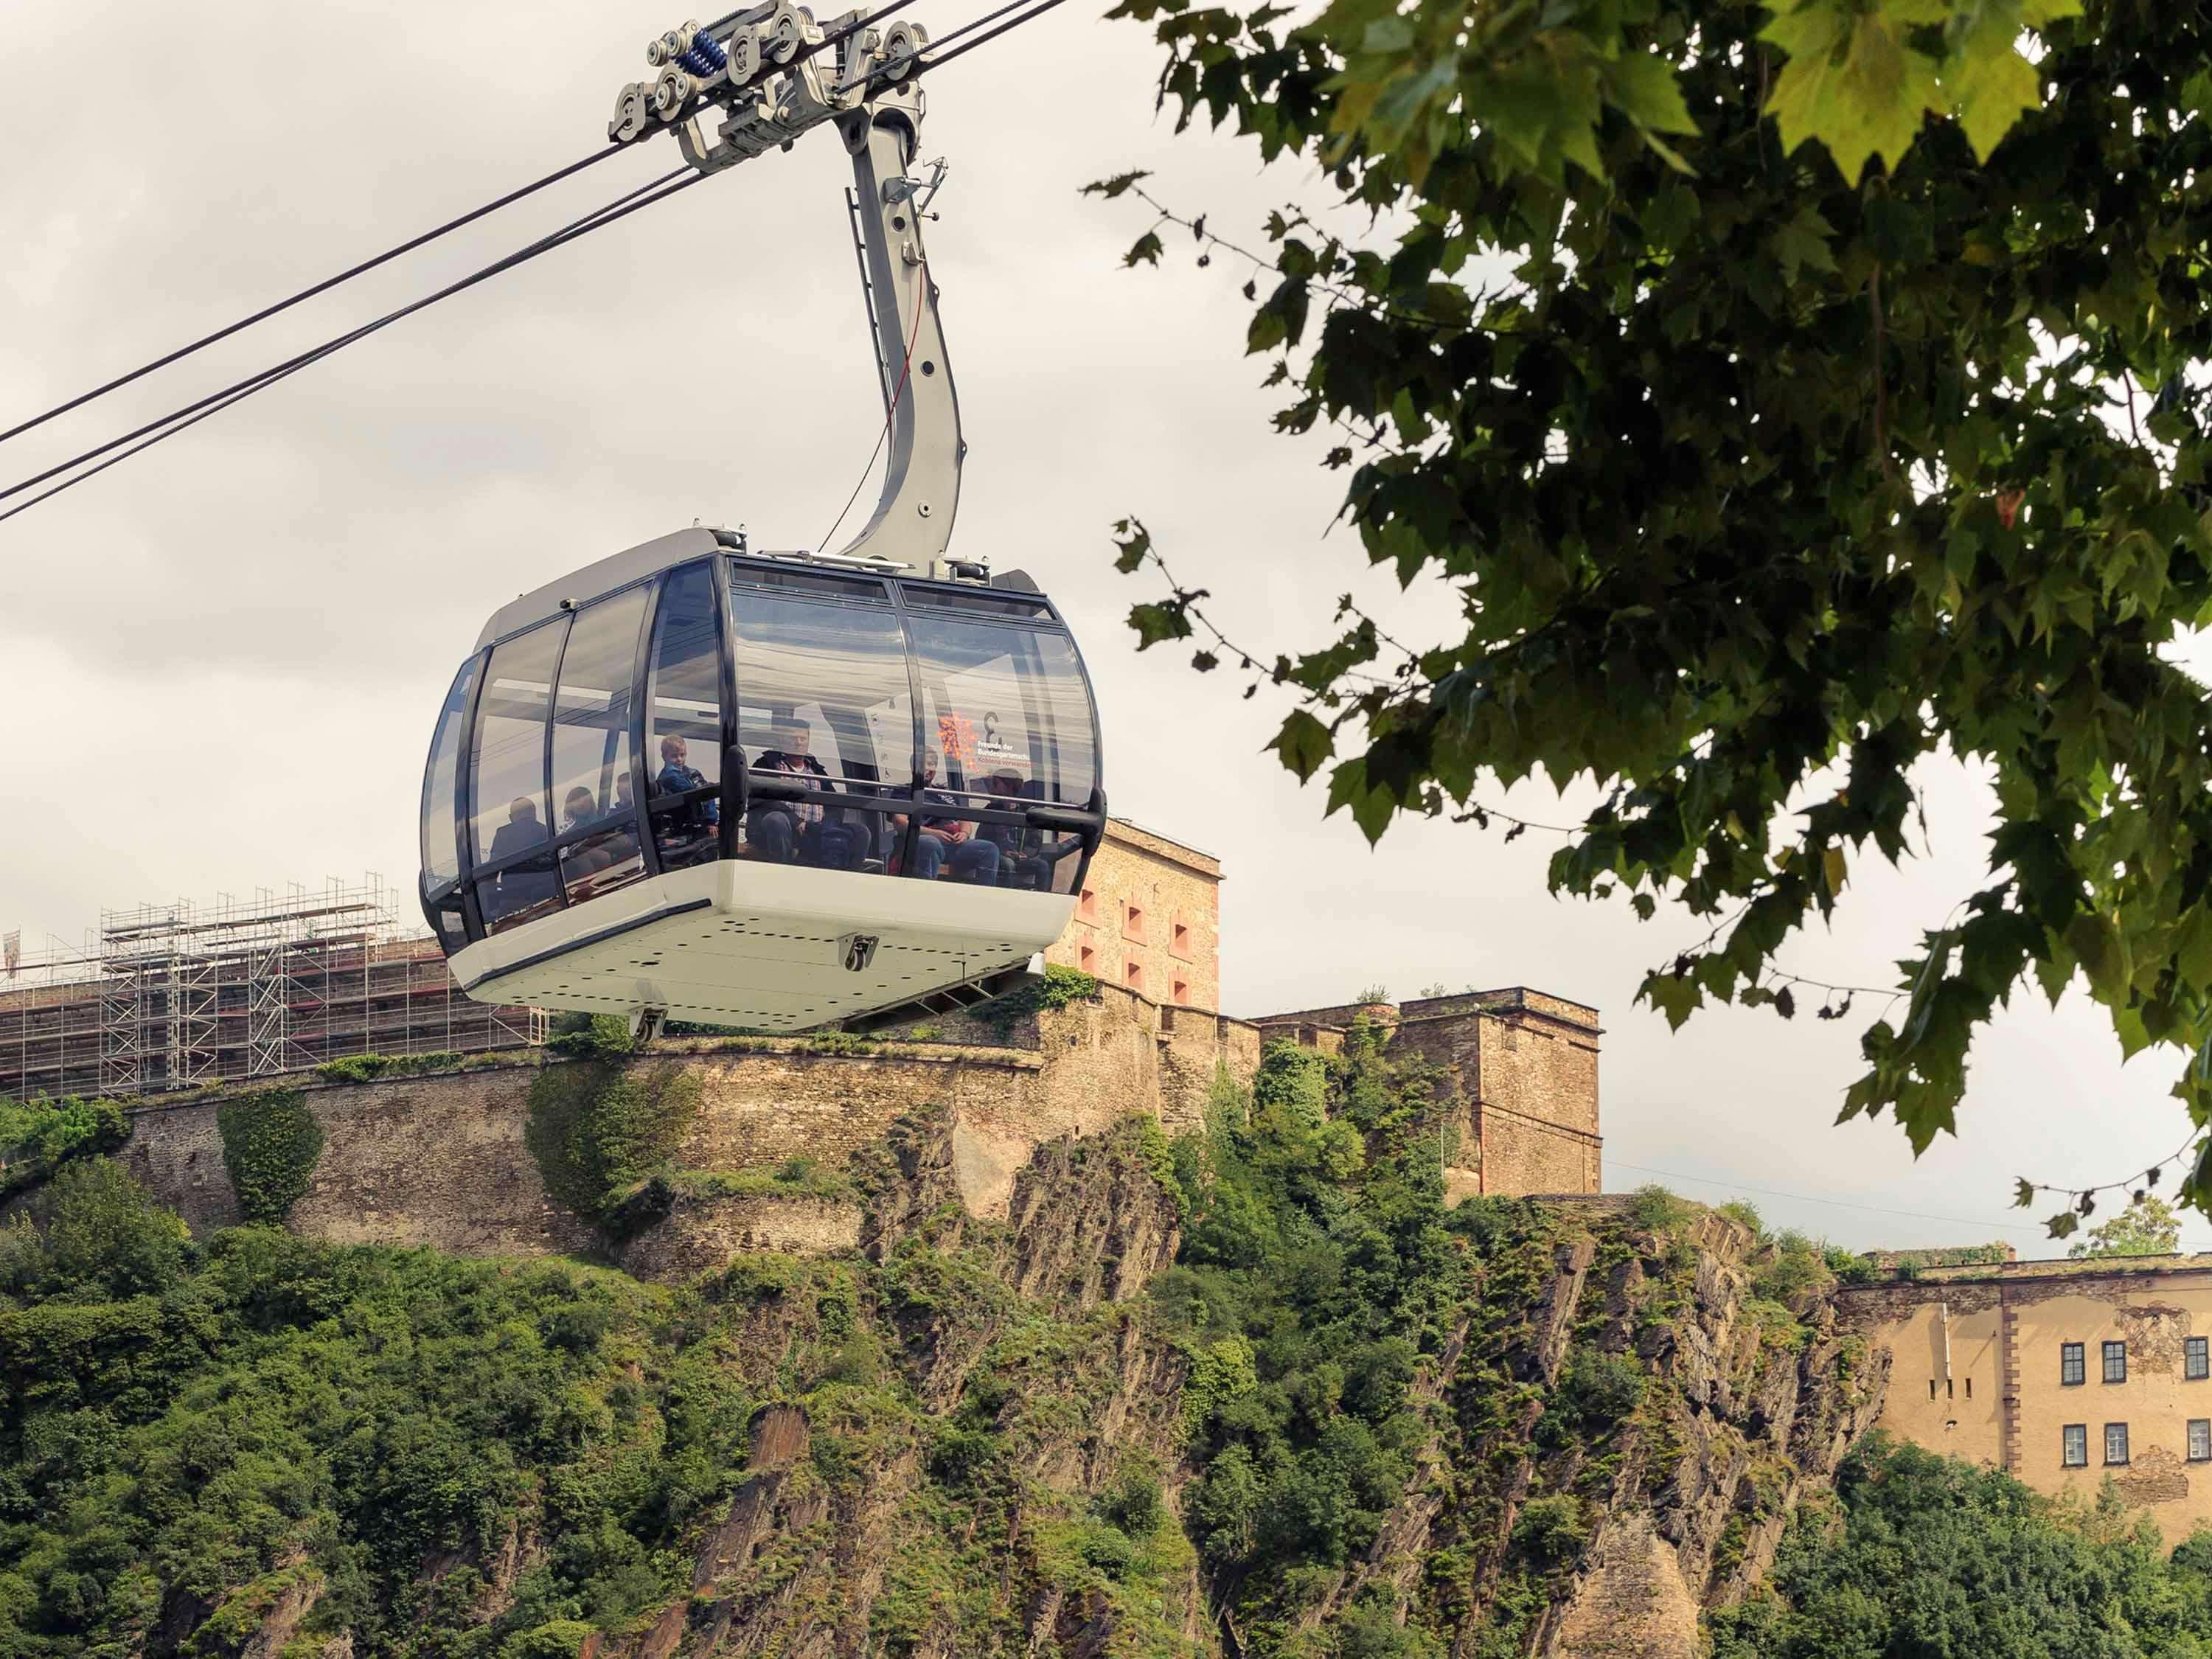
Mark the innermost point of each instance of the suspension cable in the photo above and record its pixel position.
(936, 60)
(193, 413)
(906, 57)
(323, 287)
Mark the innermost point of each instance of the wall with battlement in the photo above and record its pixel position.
(440, 1160)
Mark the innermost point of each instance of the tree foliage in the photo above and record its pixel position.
(1922, 1540)
(2148, 1226)
(1769, 473)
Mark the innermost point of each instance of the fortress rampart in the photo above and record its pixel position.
(442, 1160)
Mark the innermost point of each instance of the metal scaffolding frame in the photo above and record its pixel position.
(178, 996)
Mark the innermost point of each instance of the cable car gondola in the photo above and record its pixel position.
(775, 791)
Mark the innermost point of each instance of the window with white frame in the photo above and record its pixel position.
(2115, 1442)
(2200, 1439)
(2074, 1441)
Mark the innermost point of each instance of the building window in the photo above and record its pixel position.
(1133, 922)
(1179, 938)
(2196, 1363)
(1086, 958)
(1086, 908)
(2116, 1364)
(1132, 976)
(2200, 1439)
(2115, 1442)
(1183, 994)
(2077, 1453)
(2069, 1363)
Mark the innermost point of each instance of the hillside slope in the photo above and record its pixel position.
(1252, 1392)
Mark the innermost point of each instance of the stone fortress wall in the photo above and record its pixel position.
(440, 1159)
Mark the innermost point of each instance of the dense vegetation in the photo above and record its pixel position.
(1925, 1556)
(1315, 1271)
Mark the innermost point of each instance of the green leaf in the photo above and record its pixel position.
(1145, 249)
(1134, 543)
(1304, 742)
(1109, 188)
(1852, 82)
(1992, 89)
(1803, 241)
(1646, 88)
(1156, 622)
(2023, 1193)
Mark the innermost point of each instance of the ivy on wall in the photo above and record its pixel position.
(598, 1129)
(270, 1142)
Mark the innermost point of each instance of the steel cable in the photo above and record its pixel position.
(305, 294)
(193, 413)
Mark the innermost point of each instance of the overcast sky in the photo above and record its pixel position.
(220, 660)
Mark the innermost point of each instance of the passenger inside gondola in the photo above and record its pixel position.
(521, 831)
(578, 809)
(678, 775)
(943, 841)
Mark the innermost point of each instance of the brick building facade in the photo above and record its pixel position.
(1148, 919)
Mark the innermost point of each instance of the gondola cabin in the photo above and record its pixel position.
(759, 791)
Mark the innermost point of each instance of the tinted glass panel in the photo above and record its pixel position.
(592, 788)
(823, 701)
(684, 747)
(808, 581)
(441, 852)
(1008, 709)
(507, 763)
(995, 604)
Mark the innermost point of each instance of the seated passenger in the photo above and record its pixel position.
(624, 803)
(794, 831)
(521, 831)
(972, 858)
(1030, 856)
(578, 808)
(520, 888)
(677, 777)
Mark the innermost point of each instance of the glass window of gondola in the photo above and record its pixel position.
(594, 789)
(824, 708)
(510, 818)
(683, 734)
(441, 850)
(1007, 711)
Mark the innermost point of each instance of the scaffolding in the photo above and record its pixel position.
(178, 996)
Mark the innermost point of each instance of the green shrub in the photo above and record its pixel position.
(1744, 1214)
(102, 1235)
(1061, 988)
(590, 1037)
(1550, 1531)
(270, 1142)
(1656, 1210)
(366, 1068)
(1597, 1390)
(1133, 1503)
(37, 1137)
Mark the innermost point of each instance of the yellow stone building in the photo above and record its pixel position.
(2061, 1372)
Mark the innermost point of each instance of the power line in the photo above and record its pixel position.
(1806, 1198)
(323, 287)
(193, 413)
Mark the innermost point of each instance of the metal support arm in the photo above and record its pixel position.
(913, 519)
(770, 73)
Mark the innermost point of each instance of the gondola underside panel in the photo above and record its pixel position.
(766, 947)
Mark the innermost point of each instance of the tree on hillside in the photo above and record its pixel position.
(2148, 1226)
(1843, 407)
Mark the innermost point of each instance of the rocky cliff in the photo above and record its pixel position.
(1254, 1391)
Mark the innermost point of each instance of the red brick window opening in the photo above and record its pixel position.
(1183, 994)
(1086, 908)
(1132, 976)
(1179, 938)
(1086, 958)
(1133, 922)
